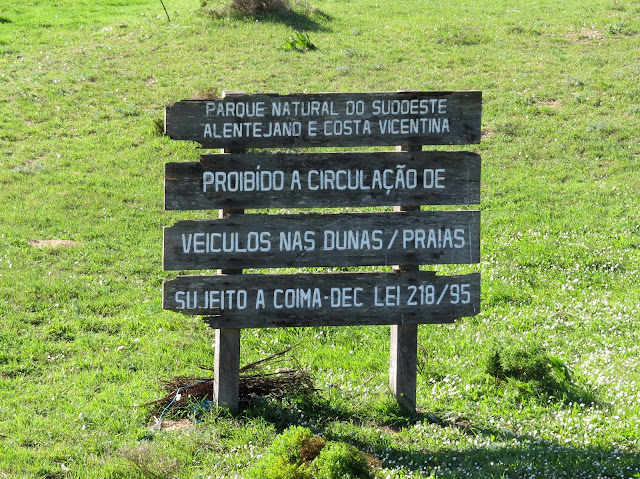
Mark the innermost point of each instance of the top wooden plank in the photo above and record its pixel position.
(328, 119)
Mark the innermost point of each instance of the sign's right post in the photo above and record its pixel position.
(403, 361)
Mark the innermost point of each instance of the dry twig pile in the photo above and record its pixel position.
(259, 379)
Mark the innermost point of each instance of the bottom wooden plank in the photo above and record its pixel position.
(347, 299)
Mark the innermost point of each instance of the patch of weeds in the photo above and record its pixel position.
(575, 82)
(299, 454)
(617, 29)
(599, 127)
(128, 112)
(298, 42)
(536, 373)
(29, 167)
(211, 93)
(461, 37)
(5, 20)
(509, 128)
(343, 70)
(149, 463)
(61, 332)
(352, 52)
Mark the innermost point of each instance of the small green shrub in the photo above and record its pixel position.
(298, 454)
(284, 459)
(521, 364)
(290, 443)
(616, 29)
(340, 460)
(533, 372)
(298, 42)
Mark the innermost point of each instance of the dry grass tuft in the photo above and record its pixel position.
(259, 6)
(248, 7)
(149, 463)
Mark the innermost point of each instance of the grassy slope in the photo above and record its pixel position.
(83, 338)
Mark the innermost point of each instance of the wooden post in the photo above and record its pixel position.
(226, 376)
(403, 364)
(226, 380)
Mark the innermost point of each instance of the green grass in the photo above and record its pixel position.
(83, 337)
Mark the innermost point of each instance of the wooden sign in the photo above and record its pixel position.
(323, 180)
(405, 238)
(353, 239)
(261, 301)
(328, 119)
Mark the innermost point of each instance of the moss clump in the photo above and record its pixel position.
(340, 460)
(532, 364)
(298, 454)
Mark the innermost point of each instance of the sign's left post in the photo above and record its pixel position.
(226, 375)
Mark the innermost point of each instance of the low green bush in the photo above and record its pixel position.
(341, 460)
(298, 454)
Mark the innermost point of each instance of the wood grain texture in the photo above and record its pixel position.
(317, 180)
(403, 359)
(347, 299)
(353, 239)
(328, 119)
(226, 371)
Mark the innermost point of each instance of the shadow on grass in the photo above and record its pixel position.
(500, 452)
(401, 441)
(302, 22)
(313, 412)
(393, 437)
(312, 21)
(507, 456)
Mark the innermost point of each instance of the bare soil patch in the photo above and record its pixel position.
(54, 243)
(585, 35)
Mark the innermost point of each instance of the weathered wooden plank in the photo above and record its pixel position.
(347, 299)
(323, 180)
(354, 239)
(328, 119)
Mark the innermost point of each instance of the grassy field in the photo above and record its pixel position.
(545, 382)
